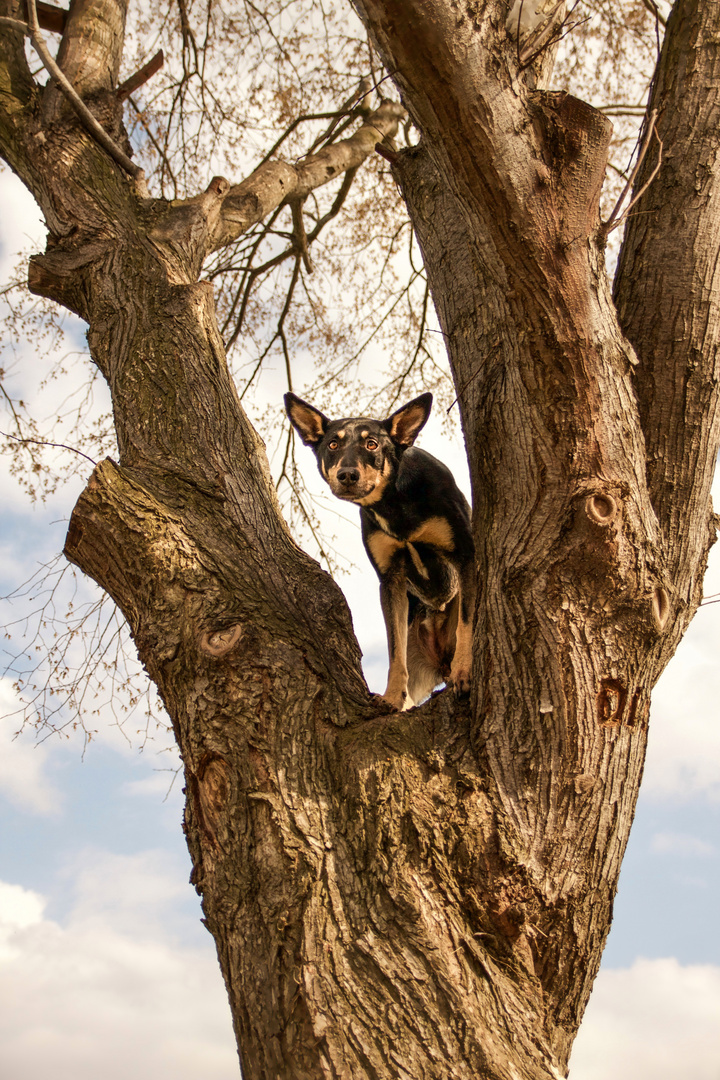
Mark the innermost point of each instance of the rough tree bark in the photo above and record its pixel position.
(425, 894)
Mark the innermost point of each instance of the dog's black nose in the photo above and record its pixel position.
(348, 476)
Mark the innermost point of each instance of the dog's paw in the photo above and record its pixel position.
(397, 702)
(460, 680)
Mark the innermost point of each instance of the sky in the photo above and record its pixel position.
(105, 967)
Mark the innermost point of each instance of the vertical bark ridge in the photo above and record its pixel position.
(667, 290)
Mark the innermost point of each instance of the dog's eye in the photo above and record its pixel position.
(333, 444)
(372, 444)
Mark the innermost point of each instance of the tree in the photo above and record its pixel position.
(426, 893)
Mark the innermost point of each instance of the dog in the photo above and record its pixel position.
(416, 531)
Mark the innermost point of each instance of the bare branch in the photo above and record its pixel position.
(655, 11)
(46, 442)
(300, 240)
(50, 17)
(135, 81)
(549, 33)
(276, 182)
(158, 148)
(359, 95)
(613, 222)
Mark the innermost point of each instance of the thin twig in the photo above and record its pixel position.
(646, 185)
(554, 36)
(419, 347)
(251, 275)
(334, 210)
(622, 110)
(655, 10)
(520, 11)
(362, 92)
(475, 373)
(148, 131)
(14, 24)
(614, 221)
(13, 410)
(289, 130)
(45, 442)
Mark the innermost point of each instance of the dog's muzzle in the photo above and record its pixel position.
(348, 477)
(352, 481)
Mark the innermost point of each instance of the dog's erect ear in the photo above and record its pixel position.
(405, 425)
(308, 421)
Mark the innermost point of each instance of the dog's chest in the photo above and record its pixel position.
(391, 537)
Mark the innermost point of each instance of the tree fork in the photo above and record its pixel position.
(281, 808)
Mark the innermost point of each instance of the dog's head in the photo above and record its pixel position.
(358, 457)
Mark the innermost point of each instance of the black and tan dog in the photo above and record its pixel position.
(416, 530)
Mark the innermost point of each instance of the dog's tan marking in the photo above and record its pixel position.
(331, 476)
(367, 476)
(393, 599)
(340, 434)
(377, 492)
(382, 523)
(308, 421)
(383, 548)
(364, 434)
(436, 531)
(323, 468)
(375, 495)
(417, 562)
(461, 668)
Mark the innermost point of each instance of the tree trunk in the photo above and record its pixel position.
(425, 894)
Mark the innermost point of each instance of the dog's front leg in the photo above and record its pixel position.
(394, 602)
(461, 668)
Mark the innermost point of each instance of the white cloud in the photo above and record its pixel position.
(134, 894)
(682, 844)
(19, 908)
(657, 1020)
(23, 762)
(23, 226)
(161, 782)
(111, 992)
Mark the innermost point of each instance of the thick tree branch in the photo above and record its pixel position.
(141, 77)
(63, 84)
(50, 17)
(276, 182)
(528, 168)
(528, 165)
(90, 51)
(39, 153)
(668, 292)
(503, 193)
(19, 92)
